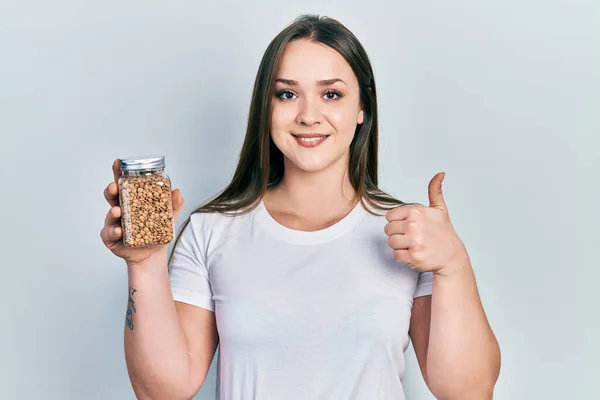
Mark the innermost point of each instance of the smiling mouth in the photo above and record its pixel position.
(310, 135)
(310, 140)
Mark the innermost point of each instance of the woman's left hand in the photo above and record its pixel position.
(423, 237)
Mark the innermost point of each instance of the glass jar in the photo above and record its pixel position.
(145, 200)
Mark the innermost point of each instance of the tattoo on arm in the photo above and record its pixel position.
(130, 309)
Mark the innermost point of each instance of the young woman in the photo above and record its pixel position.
(310, 278)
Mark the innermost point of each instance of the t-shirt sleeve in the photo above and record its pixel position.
(189, 273)
(424, 284)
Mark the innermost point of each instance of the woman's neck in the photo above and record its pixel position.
(324, 196)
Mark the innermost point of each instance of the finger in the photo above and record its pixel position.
(404, 257)
(396, 228)
(111, 194)
(116, 167)
(113, 217)
(436, 198)
(111, 234)
(178, 202)
(403, 212)
(399, 242)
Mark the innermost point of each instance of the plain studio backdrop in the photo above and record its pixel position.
(501, 95)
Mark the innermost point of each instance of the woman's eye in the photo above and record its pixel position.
(329, 95)
(332, 93)
(285, 95)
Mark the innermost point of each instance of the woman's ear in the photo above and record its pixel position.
(361, 117)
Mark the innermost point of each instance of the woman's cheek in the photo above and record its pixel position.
(281, 117)
(342, 121)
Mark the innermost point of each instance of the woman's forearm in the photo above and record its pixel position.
(463, 358)
(155, 345)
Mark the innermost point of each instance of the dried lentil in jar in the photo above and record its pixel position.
(145, 200)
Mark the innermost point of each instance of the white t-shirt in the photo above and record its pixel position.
(300, 315)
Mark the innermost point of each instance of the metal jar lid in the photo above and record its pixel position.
(142, 163)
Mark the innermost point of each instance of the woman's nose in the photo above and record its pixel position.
(309, 113)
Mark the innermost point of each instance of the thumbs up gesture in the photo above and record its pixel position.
(423, 237)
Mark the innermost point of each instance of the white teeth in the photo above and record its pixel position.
(312, 140)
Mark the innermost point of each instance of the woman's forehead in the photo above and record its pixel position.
(308, 62)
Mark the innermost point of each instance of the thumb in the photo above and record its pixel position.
(177, 199)
(436, 198)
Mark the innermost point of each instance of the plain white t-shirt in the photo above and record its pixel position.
(318, 315)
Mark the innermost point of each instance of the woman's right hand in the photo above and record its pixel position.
(112, 232)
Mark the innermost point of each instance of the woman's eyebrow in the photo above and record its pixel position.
(325, 82)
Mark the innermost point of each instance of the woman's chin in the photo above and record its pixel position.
(311, 166)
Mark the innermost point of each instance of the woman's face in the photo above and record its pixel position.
(315, 108)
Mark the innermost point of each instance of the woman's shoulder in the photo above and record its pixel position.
(215, 224)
